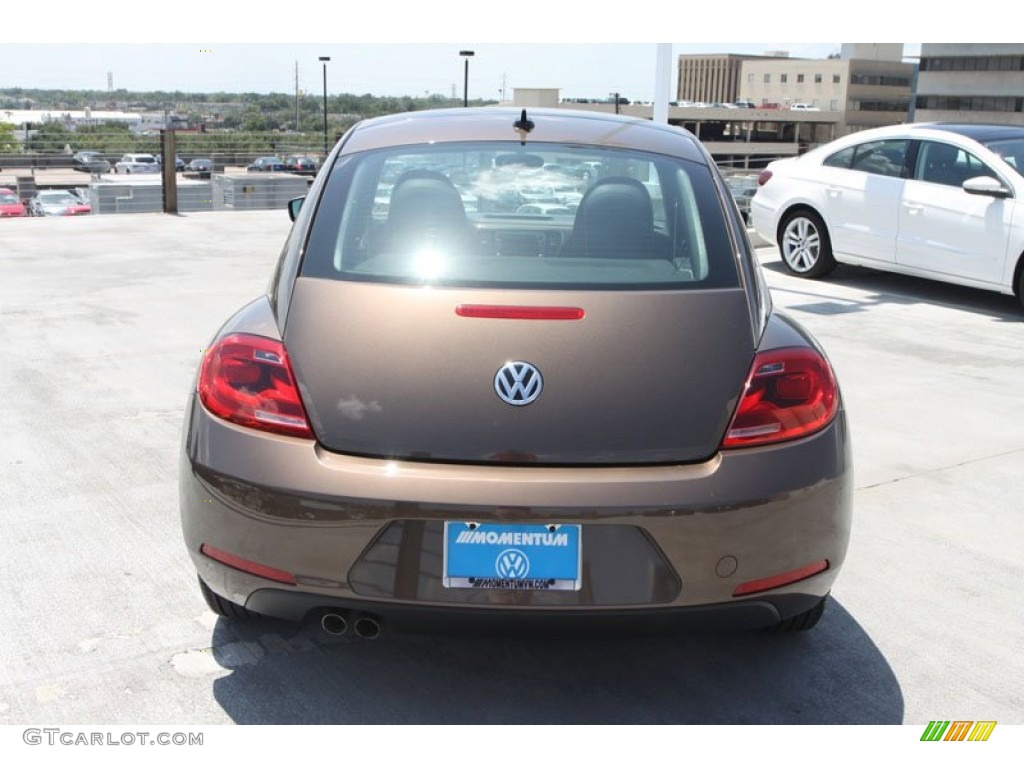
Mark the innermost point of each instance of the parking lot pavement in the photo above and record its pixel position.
(102, 321)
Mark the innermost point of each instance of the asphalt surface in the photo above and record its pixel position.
(102, 320)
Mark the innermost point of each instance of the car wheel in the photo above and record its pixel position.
(802, 621)
(1020, 284)
(805, 245)
(224, 607)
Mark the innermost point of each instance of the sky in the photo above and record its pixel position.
(381, 69)
(405, 48)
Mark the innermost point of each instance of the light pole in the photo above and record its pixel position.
(325, 59)
(465, 81)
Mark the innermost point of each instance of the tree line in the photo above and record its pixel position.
(248, 119)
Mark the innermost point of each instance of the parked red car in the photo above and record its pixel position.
(10, 205)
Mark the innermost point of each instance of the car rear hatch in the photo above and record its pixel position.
(399, 371)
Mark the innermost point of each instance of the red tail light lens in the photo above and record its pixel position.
(248, 380)
(781, 579)
(763, 178)
(790, 393)
(264, 571)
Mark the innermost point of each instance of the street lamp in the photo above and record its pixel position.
(325, 59)
(465, 81)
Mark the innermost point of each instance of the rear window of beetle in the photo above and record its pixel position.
(504, 215)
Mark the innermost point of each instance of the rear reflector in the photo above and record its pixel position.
(781, 580)
(502, 312)
(241, 564)
(248, 380)
(789, 393)
(763, 178)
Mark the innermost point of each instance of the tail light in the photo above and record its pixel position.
(257, 569)
(781, 579)
(789, 393)
(764, 177)
(248, 380)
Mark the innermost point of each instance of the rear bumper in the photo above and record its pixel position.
(763, 221)
(660, 541)
(735, 616)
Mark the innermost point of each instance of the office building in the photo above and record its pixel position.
(971, 82)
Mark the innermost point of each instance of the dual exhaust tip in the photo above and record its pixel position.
(365, 625)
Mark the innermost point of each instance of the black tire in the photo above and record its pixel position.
(802, 621)
(805, 246)
(224, 607)
(1020, 283)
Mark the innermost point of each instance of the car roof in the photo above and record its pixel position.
(981, 133)
(496, 124)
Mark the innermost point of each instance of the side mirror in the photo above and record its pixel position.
(985, 185)
(294, 206)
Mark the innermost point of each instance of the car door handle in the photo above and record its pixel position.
(913, 208)
(833, 191)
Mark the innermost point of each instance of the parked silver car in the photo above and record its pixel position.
(137, 163)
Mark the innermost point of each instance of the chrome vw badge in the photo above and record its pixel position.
(518, 383)
(512, 564)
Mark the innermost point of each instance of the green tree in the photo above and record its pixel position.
(48, 138)
(8, 143)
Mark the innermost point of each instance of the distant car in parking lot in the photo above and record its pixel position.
(200, 166)
(89, 161)
(802, 107)
(137, 163)
(266, 165)
(58, 202)
(301, 165)
(587, 170)
(179, 164)
(438, 414)
(10, 205)
(544, 209)
(936, 200)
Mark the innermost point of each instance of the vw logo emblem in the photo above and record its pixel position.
(518, 383)
(512, 564)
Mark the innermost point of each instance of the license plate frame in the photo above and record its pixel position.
(512, 556)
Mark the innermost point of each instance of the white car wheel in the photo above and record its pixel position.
(805, 246)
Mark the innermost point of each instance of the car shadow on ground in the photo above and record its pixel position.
(892, 288)
(286, 674)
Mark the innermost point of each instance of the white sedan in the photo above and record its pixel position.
(135, 163)
(939, 201)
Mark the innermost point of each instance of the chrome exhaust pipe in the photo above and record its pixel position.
(334, 623)
(368, 627)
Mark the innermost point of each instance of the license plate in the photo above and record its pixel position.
(511, 556)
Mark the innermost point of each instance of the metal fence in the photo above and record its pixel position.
(219, 193)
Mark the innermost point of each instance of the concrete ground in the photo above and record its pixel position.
(102, 320)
